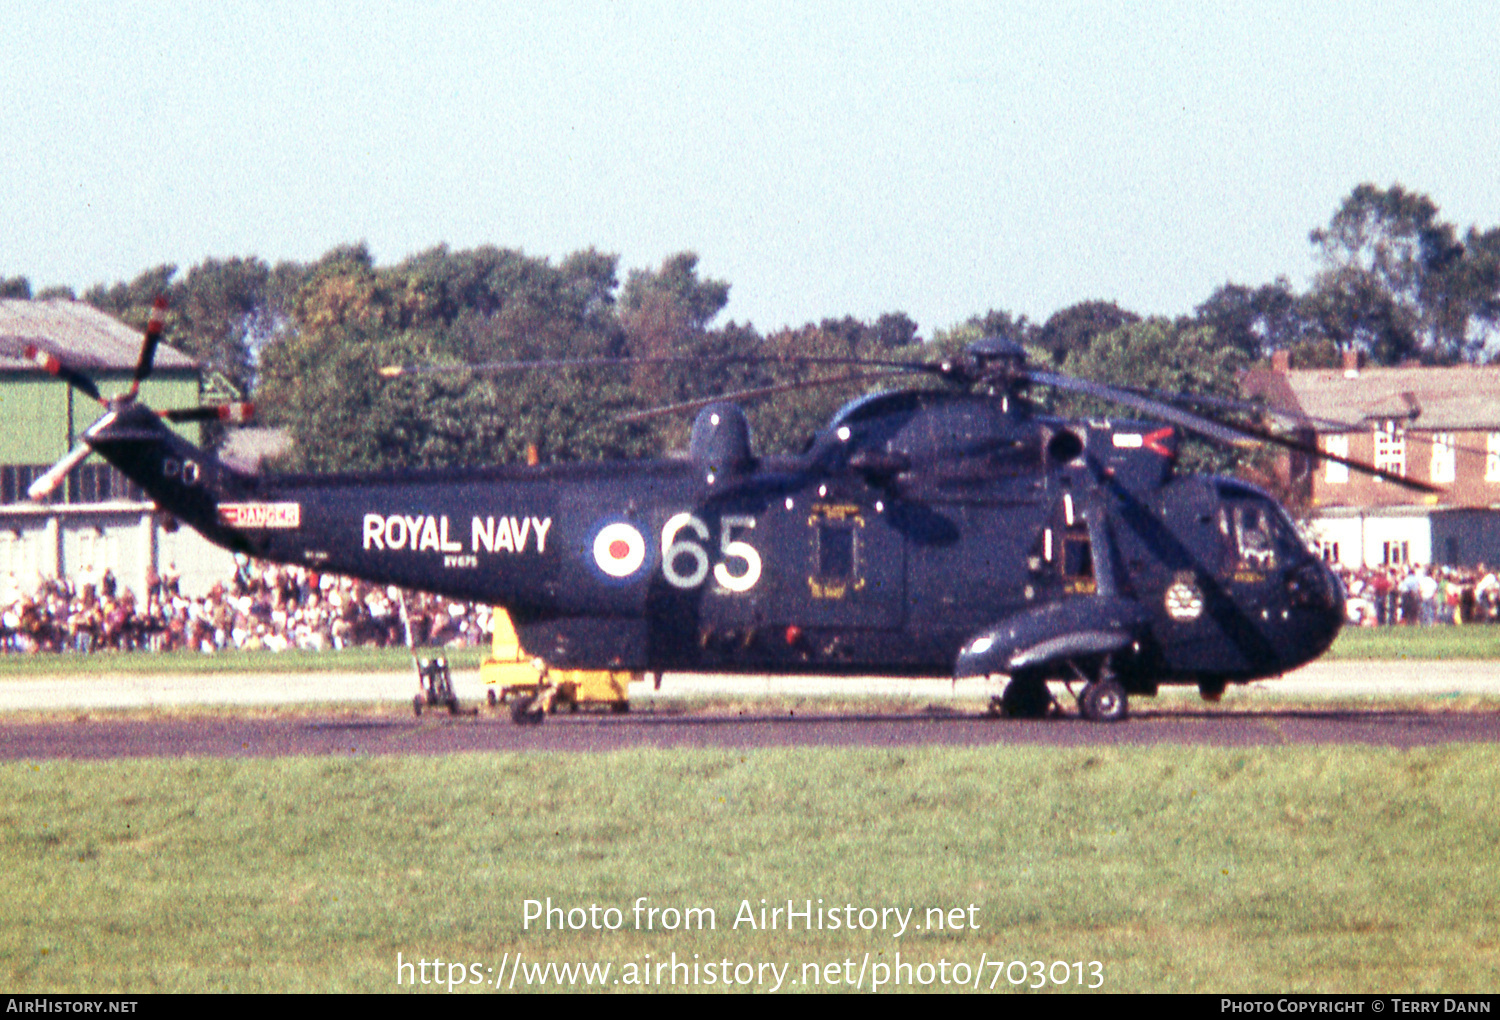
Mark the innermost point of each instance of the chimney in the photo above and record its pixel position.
(1351, 363)
(1281, 361)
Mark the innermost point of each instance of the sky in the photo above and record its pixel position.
(826, 159)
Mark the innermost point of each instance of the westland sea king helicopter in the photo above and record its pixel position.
(940, 532)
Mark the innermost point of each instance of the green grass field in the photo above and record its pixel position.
(1177, 869)
(1475, 641)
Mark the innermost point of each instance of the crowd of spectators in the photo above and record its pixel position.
(1422, 595)
(266, 606)
(263, 606)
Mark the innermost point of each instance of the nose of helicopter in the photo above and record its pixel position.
(1317, 597)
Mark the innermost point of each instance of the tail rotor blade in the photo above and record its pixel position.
(230, 414)
(47, 483)
(148, 347)
(74, 378)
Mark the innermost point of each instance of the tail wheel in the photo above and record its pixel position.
(1103, 701)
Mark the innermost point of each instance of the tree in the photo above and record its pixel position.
(664, 313)
(1255, 321)
(15, 287)
(894, 330)
(320, 376)
(1073, 329)
(226, 311)
(676, 284)
(1002, 324)
(1167, 357)
(1396, 280)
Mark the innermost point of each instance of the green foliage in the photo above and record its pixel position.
(1169, 358)
(675, 286)
(321, 380)
(1073, 330)
(1397, 281)
(1255, 320)
(221, 313)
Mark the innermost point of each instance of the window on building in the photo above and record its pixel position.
(1390, 449)
(1492, 459)
(1334, 472)
(1444, 459)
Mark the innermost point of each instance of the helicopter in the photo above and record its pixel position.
(948, 532)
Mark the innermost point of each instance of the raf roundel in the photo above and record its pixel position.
(619, 549)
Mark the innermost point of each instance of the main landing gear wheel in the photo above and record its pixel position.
(1103, 701)
(1026, 697)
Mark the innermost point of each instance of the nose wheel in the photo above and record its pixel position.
(1101, 698)
(1103, 701)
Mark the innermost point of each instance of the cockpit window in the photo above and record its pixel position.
(1257, 535)
(1252, 529)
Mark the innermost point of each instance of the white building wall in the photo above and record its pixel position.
(1367, 540)
(197, 562)
(80, 543)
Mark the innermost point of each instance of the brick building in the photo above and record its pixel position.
(1436, 425)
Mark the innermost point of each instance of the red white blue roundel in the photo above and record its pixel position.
(619, 549)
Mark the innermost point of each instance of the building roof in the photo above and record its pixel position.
(1445, 399)
(79, 335)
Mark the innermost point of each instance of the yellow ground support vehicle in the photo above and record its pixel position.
(532, 689)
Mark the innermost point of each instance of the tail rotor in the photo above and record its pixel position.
(234, 413)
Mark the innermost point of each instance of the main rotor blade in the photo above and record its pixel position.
(1318, 453)
(1243, 407)
(44, 485)
(760, 391)
(1233, 435)
(498, 367)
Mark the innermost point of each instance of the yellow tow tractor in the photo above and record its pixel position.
(532, 688)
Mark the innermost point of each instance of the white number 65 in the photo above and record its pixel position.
(674, 549)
